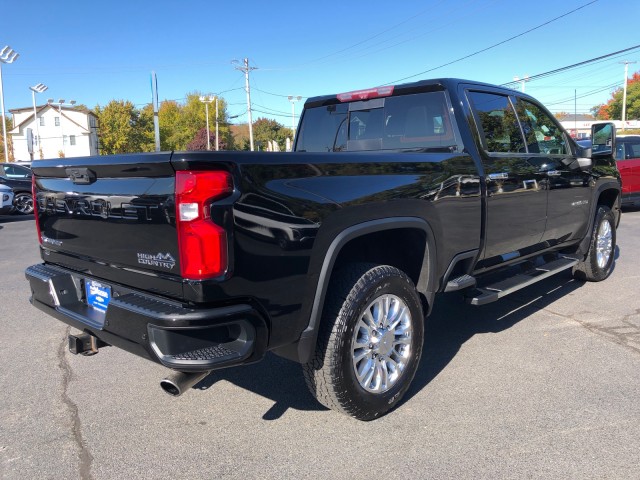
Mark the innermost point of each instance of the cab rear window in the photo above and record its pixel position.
(417, 122)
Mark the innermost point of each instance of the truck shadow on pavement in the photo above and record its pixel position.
(15, 218)
(451, 323)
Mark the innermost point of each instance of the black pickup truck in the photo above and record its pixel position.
(332, 255)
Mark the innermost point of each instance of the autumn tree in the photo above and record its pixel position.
(612, 110)
(9, 124)
(200, 141)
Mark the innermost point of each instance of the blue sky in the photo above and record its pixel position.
(93, 52)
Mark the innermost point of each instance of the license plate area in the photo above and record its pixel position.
(98, 295)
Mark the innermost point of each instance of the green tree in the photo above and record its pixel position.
(612, 110)
(180, 123)
(265, 130)
(145, 129)
(169, 118)
(121, 129)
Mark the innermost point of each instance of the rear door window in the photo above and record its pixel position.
(416, 122)
(498, 124)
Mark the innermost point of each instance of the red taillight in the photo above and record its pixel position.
(35, 206)
(366, 94)
(202, 243)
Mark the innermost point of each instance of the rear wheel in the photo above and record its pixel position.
(24, 203)
(370, 341)
(598, 264)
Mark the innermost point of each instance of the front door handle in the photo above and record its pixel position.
(553, 173)
(498, 176)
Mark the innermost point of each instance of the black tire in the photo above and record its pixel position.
(596, 268)
(23, 202)
(331, 374)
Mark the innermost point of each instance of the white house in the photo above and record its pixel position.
(64, 131)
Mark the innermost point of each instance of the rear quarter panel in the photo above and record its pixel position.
(291, 206)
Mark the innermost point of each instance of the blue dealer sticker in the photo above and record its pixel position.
(98, 295)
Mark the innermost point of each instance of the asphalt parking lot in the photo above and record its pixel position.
(543, 384)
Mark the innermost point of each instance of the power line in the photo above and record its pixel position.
(494, 45)
(575, 65)
(376, 35)
(587, 94)
(276, 94)
(287, 115)
(272, 109)
(440, 25)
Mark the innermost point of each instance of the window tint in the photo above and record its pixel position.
(42, 121)
(418, 121)
(72, 139)
(13, 171)
(500, 131)
(542, 133)
(323, 129)
(406, 122)
(627, 148)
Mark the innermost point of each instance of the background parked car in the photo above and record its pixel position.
(18, 178)
(6, 200)
(19, 171)
(628, 160)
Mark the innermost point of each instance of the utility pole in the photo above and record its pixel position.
(624, 94)
(246, 69)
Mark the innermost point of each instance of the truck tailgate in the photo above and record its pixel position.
(111, 217)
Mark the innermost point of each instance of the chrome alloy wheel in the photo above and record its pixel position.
(604, 244)
(23, 203)
(381, 344)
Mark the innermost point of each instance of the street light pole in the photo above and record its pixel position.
(207, 100)
(522, 81)
(293, 100)
(61, 103)
(39, 88)
(7, 55)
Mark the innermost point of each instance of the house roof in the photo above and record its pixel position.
(40, 108)
(570, 117)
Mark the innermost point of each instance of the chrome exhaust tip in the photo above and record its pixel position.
(179, 382)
